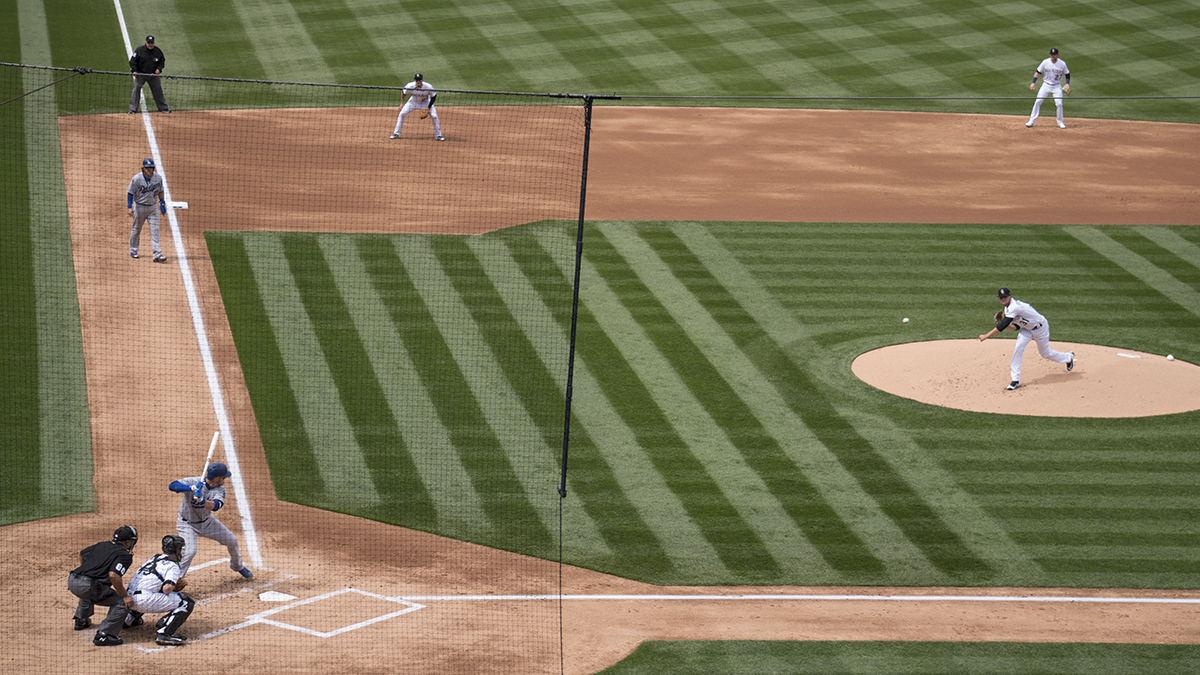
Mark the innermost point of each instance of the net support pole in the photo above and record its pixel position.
(566, 441)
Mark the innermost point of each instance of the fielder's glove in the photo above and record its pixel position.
(1067, 89)
(424, 114)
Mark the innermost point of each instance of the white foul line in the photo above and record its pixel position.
(867, 598)
(210, 370)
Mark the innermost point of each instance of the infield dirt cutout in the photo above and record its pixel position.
(151, 412)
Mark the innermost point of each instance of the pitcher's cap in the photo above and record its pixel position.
(1003, 293)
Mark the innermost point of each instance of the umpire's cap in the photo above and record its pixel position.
(217, 469)
(1003, 293)
(126, 533)
(147, 163)
(150, 39)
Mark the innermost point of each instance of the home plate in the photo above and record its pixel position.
(275, 596)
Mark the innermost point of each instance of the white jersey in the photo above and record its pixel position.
(1053, 72)
(420, 96)
(146, 192)
(154, 574)
(1024, 315)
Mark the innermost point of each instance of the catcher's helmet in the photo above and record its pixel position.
(172, 543)
(217, 469)
(1003, 293)
(147, 163)
(126, 533)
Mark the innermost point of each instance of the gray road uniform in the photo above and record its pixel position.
(196, 521)
(146, 199)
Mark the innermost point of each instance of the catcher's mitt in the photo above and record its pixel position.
(1066, 90)
(424, 114)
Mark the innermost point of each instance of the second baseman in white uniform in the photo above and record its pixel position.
(421, 96)
(155, 590)
(203, 496)
(1033, 326)
(1055, 70)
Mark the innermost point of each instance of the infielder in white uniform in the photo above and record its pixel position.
(203, 496)
(155, 590)
(1054, 69)
(421, 96)
(145, 200)
(1033, 326)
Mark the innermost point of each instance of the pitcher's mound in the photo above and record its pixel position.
(972, 375)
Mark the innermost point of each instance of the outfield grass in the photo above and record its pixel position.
(846, 658)
(719, 436)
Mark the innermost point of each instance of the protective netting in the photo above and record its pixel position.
(378, 328)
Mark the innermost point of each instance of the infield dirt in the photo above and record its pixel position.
(152, 416)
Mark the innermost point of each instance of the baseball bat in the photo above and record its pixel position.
(211, 446)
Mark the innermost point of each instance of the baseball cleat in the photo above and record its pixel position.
(395, 135)
(1029, 124)
(82, 624)
(160, 258)
(246, 573)
(106, 640)
(1061, 125)
(1013, 385)
(440, 138)
(1071, 363)
(133, 254)
(169, 640)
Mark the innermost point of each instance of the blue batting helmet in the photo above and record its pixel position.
(147, 163)
(217, 469)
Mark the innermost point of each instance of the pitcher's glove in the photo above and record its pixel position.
(1003, 322)
(1066, 90)
(998, 318)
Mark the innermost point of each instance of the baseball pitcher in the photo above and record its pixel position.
(1033, 327)
(203, 496)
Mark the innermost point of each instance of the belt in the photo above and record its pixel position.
(137, 593)
(195, 522)
(1036, 327)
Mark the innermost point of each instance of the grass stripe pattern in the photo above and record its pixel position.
(856, 48)
(718, 442)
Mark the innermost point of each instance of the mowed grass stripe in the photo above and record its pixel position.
(344, 42)
(941, 545)
(444, 477)
(294, 465)
(213, 31)
(732, 389)
(735, 544)
(1145, 271)
(610, 490)
(514, 518)
(281, 42)
(492, 355)
(376, 431)
(696, 401)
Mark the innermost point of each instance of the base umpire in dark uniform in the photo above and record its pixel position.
(98, 581)
(147, 64)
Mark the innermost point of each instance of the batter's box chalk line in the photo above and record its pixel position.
(261, 617)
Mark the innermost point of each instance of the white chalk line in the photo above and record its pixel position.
(210, 370)
(866, 598)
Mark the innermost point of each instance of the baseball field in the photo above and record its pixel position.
(387, 323)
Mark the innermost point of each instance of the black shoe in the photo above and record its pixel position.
(82, 624)
(1071, 363)
(169, 640)
(1014, 384)
(106, 640)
